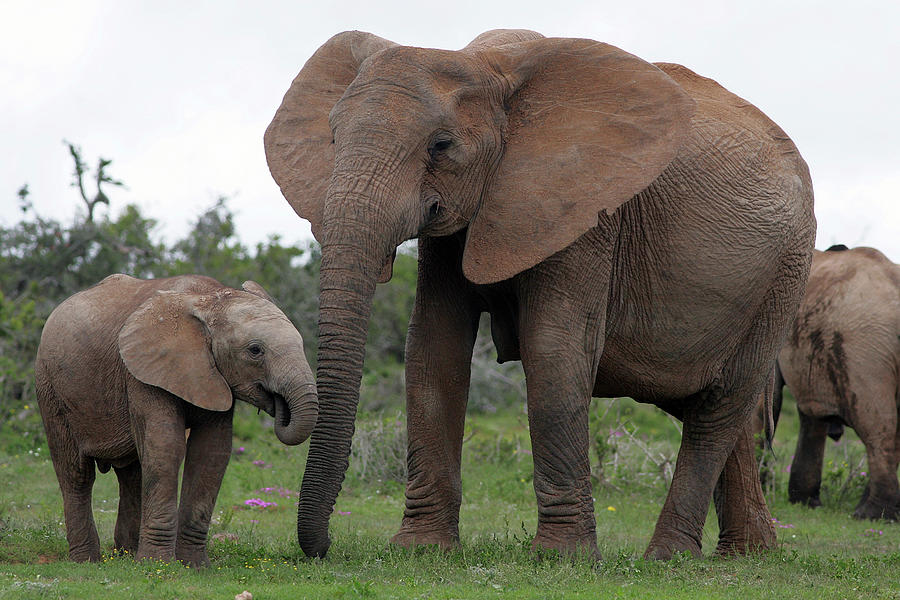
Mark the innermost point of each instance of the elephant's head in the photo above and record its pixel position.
(521, 139)
(212, 347)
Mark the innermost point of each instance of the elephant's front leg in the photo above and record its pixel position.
(559, 378)
(439, 346)
(208, 452)
(158, 428)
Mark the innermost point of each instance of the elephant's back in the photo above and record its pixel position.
(92, 318)
(87, 322)
(742, 150)
(845, 336)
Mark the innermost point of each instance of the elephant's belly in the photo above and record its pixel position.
(659, 383)
(817, 398)
(105, 436)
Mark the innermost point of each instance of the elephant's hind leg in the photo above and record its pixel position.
(744, 521)
(128, 522)
(76, 475)
(805, 480)
(81, 532)
(707, 441)
(877, 428)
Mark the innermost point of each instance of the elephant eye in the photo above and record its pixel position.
(433, 211)
(438, 146)
(255, 350)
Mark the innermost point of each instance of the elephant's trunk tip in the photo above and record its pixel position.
(295, 417)
(317, 547)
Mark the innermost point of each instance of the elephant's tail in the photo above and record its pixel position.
(773, 401)
(777, 396)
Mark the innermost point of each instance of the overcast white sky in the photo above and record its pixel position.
(179, 93)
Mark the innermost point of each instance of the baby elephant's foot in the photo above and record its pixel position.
(193, 556)
(412, 538)
(584, 545)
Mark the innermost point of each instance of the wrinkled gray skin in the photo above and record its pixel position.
(632, 229)
(124, 368)
(842, 363)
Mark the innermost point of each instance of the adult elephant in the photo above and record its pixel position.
(842, 363)
(632, 229)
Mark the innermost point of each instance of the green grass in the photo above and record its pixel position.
(822, 553)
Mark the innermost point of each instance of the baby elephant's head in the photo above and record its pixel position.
(212, 347)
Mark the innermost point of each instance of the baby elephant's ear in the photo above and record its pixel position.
(164, 344)
(257, 290)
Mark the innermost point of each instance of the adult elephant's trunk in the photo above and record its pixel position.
(347, 284)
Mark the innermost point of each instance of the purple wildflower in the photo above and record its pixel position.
(873, 532)
(259, 502)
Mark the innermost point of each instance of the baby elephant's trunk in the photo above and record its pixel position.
(296, 411)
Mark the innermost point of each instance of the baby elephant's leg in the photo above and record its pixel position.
(208, 451)
(128, 522)
(158, 423)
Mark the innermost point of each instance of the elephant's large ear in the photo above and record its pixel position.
(257, 290)
(589, 126)
(298, 141)
(164, 344)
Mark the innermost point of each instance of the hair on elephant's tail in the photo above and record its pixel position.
(773, 409)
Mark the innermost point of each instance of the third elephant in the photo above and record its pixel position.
(842, 364)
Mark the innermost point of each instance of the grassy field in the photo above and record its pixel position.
(822, 553)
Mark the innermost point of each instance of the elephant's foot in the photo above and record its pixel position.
(665, 546)
(803, 488)
(410, 538)
(125, 544)
(811, 500)
(193, 556)
(872, 508)
(85, 554)
(757, 536)
(160, 552)
(574, 546)
(84, 545)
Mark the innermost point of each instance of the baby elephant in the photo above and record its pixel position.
(842, 363)
(125, 367)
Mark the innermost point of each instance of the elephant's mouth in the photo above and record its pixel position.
(262, 399)
(276, 406)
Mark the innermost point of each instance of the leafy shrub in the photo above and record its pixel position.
(622, 455)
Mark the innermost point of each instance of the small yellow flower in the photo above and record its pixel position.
(611, 508)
